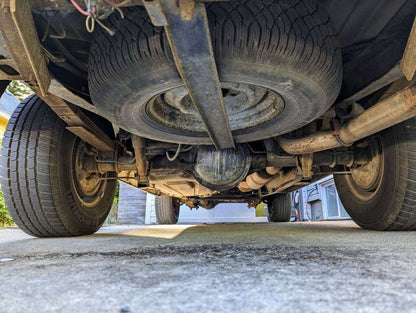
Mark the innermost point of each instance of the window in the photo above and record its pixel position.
(331, 202)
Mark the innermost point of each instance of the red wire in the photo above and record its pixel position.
(81, 10)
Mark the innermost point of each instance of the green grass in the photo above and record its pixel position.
(5, 219)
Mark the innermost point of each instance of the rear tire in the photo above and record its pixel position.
(382, 194)
(40, 176)
(280, 208)
(167, 210)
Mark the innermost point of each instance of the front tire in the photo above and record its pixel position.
(167, 210)
(382, 194)
(43, 183)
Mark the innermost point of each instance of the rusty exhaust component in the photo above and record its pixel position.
(257, 180)
(388, 112)
(303, 163)
(281, 181)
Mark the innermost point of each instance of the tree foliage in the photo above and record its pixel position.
(5, 218)
(19, 90)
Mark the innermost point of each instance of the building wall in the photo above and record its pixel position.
(8, 104)
(132, 205)
(150, 209)
(222, 213)
(320, 201)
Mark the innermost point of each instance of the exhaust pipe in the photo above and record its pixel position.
(257, 180)
(388, 112)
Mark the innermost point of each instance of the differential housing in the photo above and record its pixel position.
(221, 170)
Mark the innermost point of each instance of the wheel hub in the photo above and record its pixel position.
(368, 176)
(246, 105)
(88, 185)
(366, 179)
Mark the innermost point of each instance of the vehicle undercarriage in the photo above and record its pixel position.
(204, 102)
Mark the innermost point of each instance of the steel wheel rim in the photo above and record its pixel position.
(89, 188)
(365, 181)
(247, 106)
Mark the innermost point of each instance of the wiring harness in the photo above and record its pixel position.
(95, 11)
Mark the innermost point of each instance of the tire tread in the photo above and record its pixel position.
(280, 209)
(401, 213)
(165, 210)
(29, 173)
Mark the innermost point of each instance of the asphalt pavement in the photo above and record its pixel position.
(291, 267)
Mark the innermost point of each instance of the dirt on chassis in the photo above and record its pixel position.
(203, 102)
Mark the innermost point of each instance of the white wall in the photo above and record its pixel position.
(131, 205)
(319, 199)
(222, 213)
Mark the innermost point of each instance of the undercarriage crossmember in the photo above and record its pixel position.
(187, 29)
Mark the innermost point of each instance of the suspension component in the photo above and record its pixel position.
(187, 29)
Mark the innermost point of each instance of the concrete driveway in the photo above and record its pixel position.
(293, 267)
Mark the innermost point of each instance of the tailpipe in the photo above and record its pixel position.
(388, 112)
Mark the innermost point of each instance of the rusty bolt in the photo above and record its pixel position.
(187, 9)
